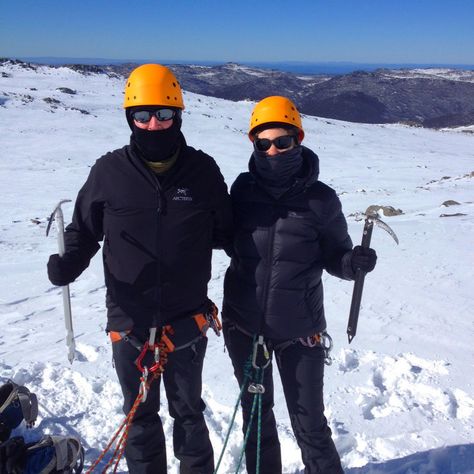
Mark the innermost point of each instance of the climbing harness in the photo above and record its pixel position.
(254, 369)
(321, 339)
(148, 375)
(181, 334)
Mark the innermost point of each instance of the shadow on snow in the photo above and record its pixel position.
(449, 460)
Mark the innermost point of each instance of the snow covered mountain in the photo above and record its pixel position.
(399, 399)
(432, 98)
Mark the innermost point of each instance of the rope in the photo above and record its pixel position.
(231, 425)
(125, 424)
(259, 428)
(256, 404)
(247, 376)
(155, 372)
(256, 400)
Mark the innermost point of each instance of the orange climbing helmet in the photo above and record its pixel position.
(153, 84)
(275, 109)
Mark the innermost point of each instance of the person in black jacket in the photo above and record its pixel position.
(289, 227)
(160, 207)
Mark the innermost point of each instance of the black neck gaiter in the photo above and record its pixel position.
(279, 171)
(157, 145)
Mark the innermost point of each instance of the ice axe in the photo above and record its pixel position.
(371, 218)
(57, 215)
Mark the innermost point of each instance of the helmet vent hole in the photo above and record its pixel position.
(168, 97)
(174, 84)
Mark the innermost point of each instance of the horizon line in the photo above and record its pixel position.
(243, 62)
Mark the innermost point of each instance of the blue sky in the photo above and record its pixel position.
(365, 31)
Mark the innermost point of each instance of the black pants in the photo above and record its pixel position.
(301, 370)
(146, 448)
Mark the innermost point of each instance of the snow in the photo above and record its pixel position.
(434, 73)
(400, 398)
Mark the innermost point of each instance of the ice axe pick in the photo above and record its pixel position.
(371, 218)
(57, 215)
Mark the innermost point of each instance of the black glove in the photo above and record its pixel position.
(64, 270)
(363, 258)
(13, 456)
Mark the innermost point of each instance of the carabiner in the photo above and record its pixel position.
(143, 385)
(260, 342)
(326, 344)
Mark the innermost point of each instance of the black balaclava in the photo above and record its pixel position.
(279, 171)
(156, 145)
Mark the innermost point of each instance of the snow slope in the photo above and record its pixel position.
(400, 398)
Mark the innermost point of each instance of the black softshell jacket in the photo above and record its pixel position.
(158, 235)
(281, 247)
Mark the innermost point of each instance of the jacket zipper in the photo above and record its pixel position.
(157, 186)
(159, 211)
(269, 273)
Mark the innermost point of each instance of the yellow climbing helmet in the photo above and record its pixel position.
(275, 109)
(153, 84)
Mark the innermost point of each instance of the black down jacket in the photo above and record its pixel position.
(158, 234)
(281, 247)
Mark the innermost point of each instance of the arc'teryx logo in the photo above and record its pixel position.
(182, 194)
(295, 215)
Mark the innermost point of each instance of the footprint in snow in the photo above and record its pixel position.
(407, 383)
(349, 360)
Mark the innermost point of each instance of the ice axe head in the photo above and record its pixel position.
(372, 217)
(57, 209)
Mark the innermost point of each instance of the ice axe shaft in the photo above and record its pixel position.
(57, 215)
(370, 219)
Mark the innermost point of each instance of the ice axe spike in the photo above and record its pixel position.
(371, 218)
(58, 216)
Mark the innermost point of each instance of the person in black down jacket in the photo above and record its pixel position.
(289, 227)
(160, 207)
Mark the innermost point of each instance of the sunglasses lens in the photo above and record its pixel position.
(262, 144)
(282, 143)
(142, 116)
(164, 114)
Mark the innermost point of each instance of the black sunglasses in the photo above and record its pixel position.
(144, 116)
(282, 143)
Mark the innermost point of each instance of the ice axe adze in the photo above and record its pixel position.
(371, 218)
(57, 215)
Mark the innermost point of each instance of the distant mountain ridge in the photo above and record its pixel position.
(433, 98)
